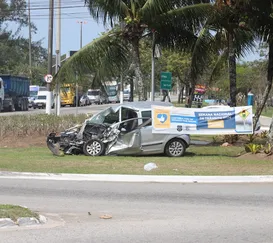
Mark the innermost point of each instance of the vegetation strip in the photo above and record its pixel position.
(15, 212)
(199, 160)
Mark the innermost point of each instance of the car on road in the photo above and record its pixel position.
(96, 96)
(31, 103)
(121, 130)
(40, 100)
(84, 100)
(126, 95)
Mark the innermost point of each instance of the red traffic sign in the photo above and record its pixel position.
(48, 78)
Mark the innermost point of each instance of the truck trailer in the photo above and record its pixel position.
(14, 93)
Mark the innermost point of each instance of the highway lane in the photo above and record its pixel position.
(64, 110)
(142, 212)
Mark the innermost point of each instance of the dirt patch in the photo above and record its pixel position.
(23, 142)
(259, 156)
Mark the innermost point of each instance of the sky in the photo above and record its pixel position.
(72, 12)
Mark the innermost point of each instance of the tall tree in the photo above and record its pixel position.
(230, 40)
(14, 49)
(176, 23)
(261, 21)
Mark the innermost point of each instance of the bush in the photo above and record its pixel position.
(231, 139)
(253, 148)
(41, 124)
(268, 149)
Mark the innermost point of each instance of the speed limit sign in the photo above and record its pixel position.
(48, 78)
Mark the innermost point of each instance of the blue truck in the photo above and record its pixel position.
(14, 93)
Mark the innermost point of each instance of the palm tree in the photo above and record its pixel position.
(262, 22)
(176, 23)
(230, 40)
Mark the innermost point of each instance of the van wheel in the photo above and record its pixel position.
(175, 148)
(94, 147)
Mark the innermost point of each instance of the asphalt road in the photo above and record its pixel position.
(142, 212)
(64, 110)
(265, 121)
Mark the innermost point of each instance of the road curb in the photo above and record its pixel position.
(23, 221)
(137, 178)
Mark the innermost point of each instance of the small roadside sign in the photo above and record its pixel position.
(48, 78)
(166, 81)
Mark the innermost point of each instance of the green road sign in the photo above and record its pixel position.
(166, 81)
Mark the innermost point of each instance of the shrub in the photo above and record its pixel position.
(231, 139)
(41, 124)
(268, 149)
(253, 148)
(264, 134)
(251, 137)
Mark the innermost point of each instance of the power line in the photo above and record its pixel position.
(68, 13)
(46, 8)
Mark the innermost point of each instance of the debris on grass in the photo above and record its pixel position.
(150, 166)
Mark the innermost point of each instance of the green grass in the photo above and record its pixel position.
(14, 212)
(199, 160)
(268, 112)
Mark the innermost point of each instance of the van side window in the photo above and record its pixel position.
(146, 115)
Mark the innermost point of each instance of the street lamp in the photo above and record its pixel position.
(81, 23)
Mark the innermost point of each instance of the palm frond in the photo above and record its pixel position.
(201, 52)
(108, 11)
(178, 28)
(244, 41)
(104, 57)
(156, 7)
(221, 62)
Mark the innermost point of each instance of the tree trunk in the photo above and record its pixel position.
(191, 94)
(132, 89)
(261, 105)
(181, 95)
(137, 69)
(232, 70)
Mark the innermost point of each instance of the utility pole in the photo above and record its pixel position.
(122, 25)
(58, 59)
(121, 88)
(152, 98)
(29, 43)
(77, 76)
(50, 47)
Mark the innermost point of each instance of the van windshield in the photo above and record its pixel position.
(33, 93)
(93, 92)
